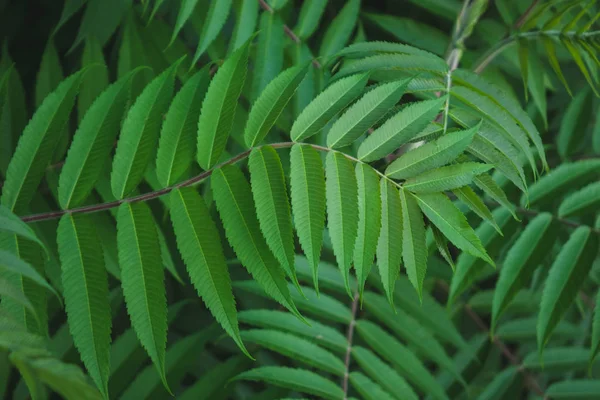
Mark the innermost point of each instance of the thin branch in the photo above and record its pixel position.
(349, 338)
(189, 182)
(521, 20)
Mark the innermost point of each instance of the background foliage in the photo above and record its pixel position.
(373, 200)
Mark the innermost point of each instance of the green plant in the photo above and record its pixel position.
(374, 154)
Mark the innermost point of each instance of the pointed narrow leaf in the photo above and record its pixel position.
(575, 389)
(85, 286)
(525, 255)
(245, 24)
(326, 105)
(273, 206)
(340, 29)
(342, 211)
(403, 360)
(468, 196)
(491, 188)
(363, 114)
(271, 103)
(93, 143)
(368, 389)
(10, 262)
(414, 248)
(142, 280)
(219, 105)
(310, 15)
(10, 223)
(595, 343)
(442, 245)
(431, 155)
(399, 129)
(307, 180)
(296, 379)
(452, 223)
(566, 276)
(95, 80)
(389, 246)
(269, 52)
(139, 135)
(445, 178)
(185, 11)
(296, 348)
(213, 23)
(233, 197)
(197, 240)
(369, 222)
(385, 375)
(36, 145)
(177, 143)
(551, 53)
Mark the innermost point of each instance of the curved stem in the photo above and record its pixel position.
(189, 182)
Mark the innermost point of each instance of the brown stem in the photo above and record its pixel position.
(521, 20)
(349, 338)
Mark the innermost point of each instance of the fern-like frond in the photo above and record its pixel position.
(86, 294)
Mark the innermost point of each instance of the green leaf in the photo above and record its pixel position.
(399, 129)
(524, 63)
(562, 179)
(142, 280)
(452, 223)
(383, 374)
(295, 379)
(407, 30)
(398, 65)
(273, 207)
(219, 105)
(558, 359)
(525, 255)
(491, 188)
(69, 9)
(10, 223)
(340, 29)
(500, 385)
(316, 332)
(327, 105)
(363, 114)
(468, 196)
(269, 52)
(197, 240)
(414, 248)
(65, 379)
(100, 20)
(503, 110)
(185, 11)
(133, 53)
(176, 145)
(442, 245)
(213, 382)
(368, 389)
(307, 181)
(10, 262)
(566, 276)
(403, 360)
(213, 23)
(50, 73)
(431, 155)
(308, 20)
(36, 145)
(409, 330)
(574, 121)
(576, 389)
(296, 348)
(551, 53)
(342, 211)
(86, 294)
(595, 343)
(233, 197)
(139, 135)
(369, 222)
(96, 78)
(468, 267)
(245, 24)
(576, 54)
(445, 178)
(93, 143)
(271, 103)
(389, 246)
